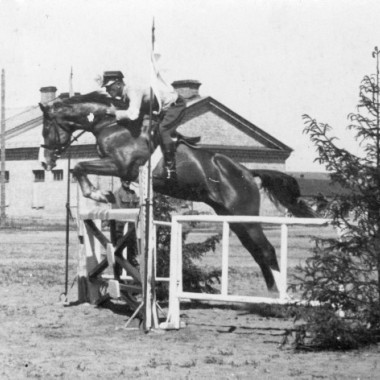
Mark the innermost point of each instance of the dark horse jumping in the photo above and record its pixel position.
(202, 176)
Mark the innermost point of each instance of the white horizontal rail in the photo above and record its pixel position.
(244, 299)
(124, 215)
(249, 219)
(123, 277)
(162, 223)
(231, 298)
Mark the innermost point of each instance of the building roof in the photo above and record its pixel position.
(237, 121)
(245, 141)
(22, 120)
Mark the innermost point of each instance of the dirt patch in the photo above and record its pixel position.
(41, 338)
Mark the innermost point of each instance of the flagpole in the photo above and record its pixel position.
(151, 102)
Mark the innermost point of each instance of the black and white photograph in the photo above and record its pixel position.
(189, 189)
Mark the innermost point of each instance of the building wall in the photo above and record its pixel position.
(46, 200)
(213, 129)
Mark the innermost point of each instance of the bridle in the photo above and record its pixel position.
(59, 147)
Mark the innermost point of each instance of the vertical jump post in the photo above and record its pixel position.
(150, 316)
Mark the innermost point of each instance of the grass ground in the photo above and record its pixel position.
(41, 338)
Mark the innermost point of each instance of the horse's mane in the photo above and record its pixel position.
(97, 97)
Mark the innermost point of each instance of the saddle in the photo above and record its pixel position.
(178, 137)
(189, 141)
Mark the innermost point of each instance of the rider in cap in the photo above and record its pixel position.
(169, 107)
(109, 79)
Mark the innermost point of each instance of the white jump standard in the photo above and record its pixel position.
(91, 238)
(176, 285)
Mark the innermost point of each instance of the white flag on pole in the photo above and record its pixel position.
(163, 91)
(155, 78)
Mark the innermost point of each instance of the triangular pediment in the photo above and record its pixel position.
(218, 125)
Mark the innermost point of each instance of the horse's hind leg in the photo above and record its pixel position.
(253, 239)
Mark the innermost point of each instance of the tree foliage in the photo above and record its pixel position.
(195, 278)
(344, 272)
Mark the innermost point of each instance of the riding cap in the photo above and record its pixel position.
(110, 77)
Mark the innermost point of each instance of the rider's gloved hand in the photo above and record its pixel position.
(111, 110)
(121, 115)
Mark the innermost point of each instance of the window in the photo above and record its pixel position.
(6, 176)
(58, 175)
(39, 175)
(73, 179)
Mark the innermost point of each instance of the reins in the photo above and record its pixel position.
(63, 148)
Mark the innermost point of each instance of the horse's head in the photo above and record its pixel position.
(60, 119)
(56, 134)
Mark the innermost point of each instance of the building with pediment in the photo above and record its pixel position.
(33, 193)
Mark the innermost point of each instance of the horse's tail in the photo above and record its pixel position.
(283, 189)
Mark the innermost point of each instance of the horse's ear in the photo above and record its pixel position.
(61, 104)
(43, 108)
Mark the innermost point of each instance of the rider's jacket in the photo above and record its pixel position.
(139, 99)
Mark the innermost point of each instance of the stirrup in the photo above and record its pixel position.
(170, 174)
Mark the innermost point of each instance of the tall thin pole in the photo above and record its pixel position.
(68, 211)
(68, 214)
(71, 87)
(2, 174)
(151, 102)
(147, 296)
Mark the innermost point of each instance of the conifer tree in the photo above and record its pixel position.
(344, 272)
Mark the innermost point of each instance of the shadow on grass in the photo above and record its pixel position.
(260, 309)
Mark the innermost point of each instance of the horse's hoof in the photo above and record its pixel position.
(97, 196)
(110, 197)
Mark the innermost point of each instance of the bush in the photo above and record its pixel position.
(195, 279)
(323, 328)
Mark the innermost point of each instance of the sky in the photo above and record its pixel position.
(271, 61)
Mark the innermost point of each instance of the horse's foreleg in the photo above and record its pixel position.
(253, 239)
(103, 167)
